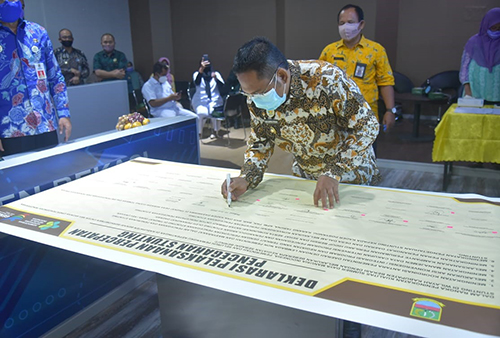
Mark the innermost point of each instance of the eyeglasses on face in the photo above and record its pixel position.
(266, 89)
(259, 94)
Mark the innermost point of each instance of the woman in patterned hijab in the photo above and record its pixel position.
(480, 69)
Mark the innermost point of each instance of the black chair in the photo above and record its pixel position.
(402, 84)
(182, 86)
(448, 83)
(217, 113)
(141, 104)
(461, 91)
(233, 111)
(229, 110)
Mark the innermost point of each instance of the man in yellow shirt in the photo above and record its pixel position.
(364, 61)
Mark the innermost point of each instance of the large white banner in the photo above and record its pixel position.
(412, 254)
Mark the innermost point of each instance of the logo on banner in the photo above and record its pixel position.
(33, 221)
(49, 225)
(15, 218)
(427, 308)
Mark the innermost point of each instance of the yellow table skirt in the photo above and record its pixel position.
(467, 137)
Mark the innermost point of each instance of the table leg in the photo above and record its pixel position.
(448, 167)
(416, 119)
(415, 135)
(195, 311)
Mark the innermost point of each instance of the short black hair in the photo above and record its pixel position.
(261, 56)
(359, 12)
(65, 29)
(158, 67)
(109, 35)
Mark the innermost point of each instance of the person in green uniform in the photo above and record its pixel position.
(110, 64)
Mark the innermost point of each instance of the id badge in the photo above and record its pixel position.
(40, 71)
(360, 70)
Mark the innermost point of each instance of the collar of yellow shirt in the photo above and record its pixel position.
(362, 42)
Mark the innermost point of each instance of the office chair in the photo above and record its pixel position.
(231, 109)
(182, 86)
(448, 83)
(234, 110)
(141, 104)
(402, 84)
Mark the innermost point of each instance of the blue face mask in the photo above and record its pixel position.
(270, 100)
(11, 11)
(493, 35)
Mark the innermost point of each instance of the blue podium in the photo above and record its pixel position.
(40, 286)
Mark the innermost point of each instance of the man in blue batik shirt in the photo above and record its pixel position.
(33, 98)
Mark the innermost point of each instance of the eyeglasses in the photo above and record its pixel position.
(259, 94)
(265, 90)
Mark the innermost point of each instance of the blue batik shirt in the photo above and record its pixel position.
(32, 88)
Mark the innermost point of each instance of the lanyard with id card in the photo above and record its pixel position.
(40, 71)
(360, 70)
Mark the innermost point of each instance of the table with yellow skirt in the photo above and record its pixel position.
(467, 134)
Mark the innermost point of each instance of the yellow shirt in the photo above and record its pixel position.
(367, 64)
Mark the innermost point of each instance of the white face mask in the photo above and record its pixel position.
(492, 34)
(349, 31)
(270, 100)
(162, 79)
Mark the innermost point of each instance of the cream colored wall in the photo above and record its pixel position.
(432, 34)
(311, 25)
(424, 37)
(219, 27)
(216, 28)
(161, 30)
(87, 20)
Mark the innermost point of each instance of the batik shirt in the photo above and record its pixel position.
(325, 123)
(32, 88)
(76, 60)
(367, 64)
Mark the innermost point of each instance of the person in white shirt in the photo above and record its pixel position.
(207, 96)
(160, 96)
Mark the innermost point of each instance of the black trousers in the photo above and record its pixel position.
(16, 145)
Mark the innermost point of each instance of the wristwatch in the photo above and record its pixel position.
(393, 110)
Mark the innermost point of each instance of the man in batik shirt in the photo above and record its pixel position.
(363, 60)
(73, 63)
(33, 98)
(310, 109)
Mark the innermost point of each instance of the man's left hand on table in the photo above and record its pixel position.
(65, 124)
(327, 191)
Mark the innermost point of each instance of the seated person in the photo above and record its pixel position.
(134, 83)
(161, 97)
(480, 68)
(235, 101)
(134, 79)
(109, 64)
(207, 97)
(170, 76)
